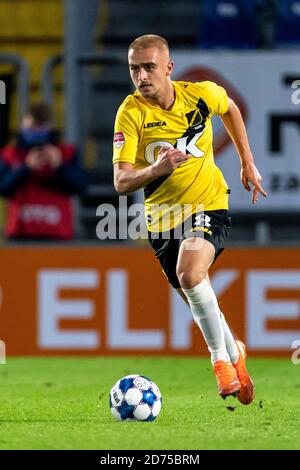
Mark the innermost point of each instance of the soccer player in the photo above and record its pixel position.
(163, 144)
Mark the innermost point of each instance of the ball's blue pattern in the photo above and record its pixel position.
(126, 411)
(125, 385)
(149, 397)
(150, 418)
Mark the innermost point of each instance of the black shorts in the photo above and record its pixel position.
(213, 226)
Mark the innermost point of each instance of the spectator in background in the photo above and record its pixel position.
(38, 176)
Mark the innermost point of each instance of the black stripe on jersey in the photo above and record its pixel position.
(153, 185)
(196, 119)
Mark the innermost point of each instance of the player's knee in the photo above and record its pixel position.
(190, 278)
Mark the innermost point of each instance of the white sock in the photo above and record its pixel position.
(229, 341)
(206, 313)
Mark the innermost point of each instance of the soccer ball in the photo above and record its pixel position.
(135, 398)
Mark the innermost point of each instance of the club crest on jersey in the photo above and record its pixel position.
(197, 117)
(119, 139)
(155, 124)
(194, 118)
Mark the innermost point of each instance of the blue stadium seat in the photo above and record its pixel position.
(287, 23)
(228, 24)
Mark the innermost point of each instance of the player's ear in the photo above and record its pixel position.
(170, 68)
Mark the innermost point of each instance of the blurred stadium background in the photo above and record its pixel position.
(108, 297)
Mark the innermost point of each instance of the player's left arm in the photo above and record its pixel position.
(235, 127)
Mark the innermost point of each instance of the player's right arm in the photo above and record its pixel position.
(126, 140)
(127, 179)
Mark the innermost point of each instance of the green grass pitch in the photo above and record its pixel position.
(62, 403)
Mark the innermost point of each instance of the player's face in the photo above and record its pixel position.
(150, 70)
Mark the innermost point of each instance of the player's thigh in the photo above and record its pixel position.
(194, 259)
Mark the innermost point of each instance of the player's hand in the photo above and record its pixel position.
(168, 160)
(250, 174)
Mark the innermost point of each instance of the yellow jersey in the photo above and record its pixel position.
(142, 129)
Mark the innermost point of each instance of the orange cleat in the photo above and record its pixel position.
(227, 380)
(246, 394)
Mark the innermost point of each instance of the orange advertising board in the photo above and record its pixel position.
(110, 301)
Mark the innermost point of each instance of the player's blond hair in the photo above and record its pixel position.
(149, 40)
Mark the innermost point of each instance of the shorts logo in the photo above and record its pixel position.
(119, 139)
(201, 229)
(203, 220)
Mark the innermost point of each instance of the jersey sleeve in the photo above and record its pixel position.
(215, 97)
(126, 139)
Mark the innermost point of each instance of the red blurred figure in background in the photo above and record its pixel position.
(38, 176)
